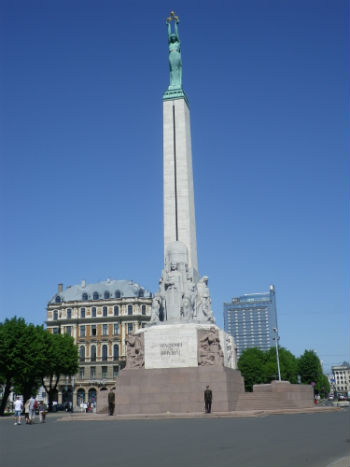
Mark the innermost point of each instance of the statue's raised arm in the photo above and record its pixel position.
(175, 63)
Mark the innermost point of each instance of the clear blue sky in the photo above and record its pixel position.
(81, 149)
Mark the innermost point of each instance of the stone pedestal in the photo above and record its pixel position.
(177, 390)
(169, 367)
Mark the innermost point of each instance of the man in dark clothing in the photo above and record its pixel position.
(208, 397)
(111, 401)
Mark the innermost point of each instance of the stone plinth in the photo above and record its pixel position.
(277, 395)
(186, 345)
(102, 401)
(177, 390)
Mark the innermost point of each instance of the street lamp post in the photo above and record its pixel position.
(276, 339)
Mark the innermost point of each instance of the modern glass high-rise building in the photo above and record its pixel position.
(252, 320)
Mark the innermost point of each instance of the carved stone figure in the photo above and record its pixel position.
(134, 351)
(209, 351)
(174, 292)
(203, 303)
(187, 308)
(181, 297)
(229, 352)
(156, 305)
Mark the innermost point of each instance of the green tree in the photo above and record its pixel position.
(310, 370)
(288, 365)
(61, 360)
(251, 364)
(30, 355)
(20, 354)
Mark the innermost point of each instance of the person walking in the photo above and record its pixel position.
(32, 402)
(208, 398)
(18, 406)
(42, 412)
(111, 401)
(26, 412)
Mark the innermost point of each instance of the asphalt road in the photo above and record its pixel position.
(297, 440)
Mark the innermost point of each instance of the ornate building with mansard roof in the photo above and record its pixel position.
(98, 316)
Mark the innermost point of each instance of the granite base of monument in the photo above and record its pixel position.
(169, 366)
(177, 390)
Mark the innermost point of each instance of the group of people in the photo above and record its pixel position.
(31, 406)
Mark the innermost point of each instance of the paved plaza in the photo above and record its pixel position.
(293, 440)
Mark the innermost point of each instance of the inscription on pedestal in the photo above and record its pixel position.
(171, 347)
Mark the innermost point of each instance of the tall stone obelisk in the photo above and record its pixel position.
(178, 203)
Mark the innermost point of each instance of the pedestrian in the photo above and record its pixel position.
(111, 401)
(18, 406)
(32, 402)
(208, 398)
(26, 412)
(42, 412)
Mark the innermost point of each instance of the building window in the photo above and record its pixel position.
(104, 352)
(84, 296)
(143, 325)
(117, 294)
(116, 352)
(69, 313)
(80, 397)
(58, 299)
(106, 295)
(55, 315)
(141, 293)
(143, 309)
(82, 312)
(82, 354)
(104, 372)
(129, 309)
(93, 353)
(81, 372)
(130, 328)
(69, 330)
(95, 296)
(115, 371)
(116, 310)
(82, 331)
(93, 312)
(105, 330)
(55, 330)
(104, 311)
(116, 328)
(93, 329)
(92, 372)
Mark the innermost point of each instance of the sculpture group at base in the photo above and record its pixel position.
(181, 296)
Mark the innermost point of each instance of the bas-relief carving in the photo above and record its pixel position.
(181, 296)
(135, 354)
(230, 352)
(209, 348)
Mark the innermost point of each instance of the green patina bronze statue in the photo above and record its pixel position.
(175, 63)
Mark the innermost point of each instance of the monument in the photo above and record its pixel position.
(170, 363)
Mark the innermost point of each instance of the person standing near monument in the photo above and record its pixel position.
(111, 401)
(208, 398)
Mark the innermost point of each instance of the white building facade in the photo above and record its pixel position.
(341, 378)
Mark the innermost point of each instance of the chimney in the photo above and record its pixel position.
(83, 283)
(60, 288)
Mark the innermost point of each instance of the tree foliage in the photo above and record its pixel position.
(28, 354)
(252, 366)
(310, 370)
(259, 367)
(61, 359)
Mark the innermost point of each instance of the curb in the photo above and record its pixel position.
(166, 416)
